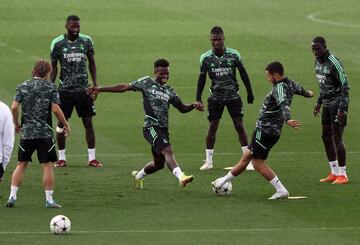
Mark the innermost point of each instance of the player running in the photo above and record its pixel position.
(274, 112)
(157, 97)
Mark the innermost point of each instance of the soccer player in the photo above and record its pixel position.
(38, 98)
(7, 136)
(72, 50)
(221, 63)
(157, 97)
(274, 112)
(334, 98)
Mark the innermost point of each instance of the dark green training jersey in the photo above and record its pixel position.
(36, 97)
(333, 83)
(73, 59)
(222, 72)
(275, 109)
(157, 99)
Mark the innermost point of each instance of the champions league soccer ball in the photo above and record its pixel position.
(60, 225)
(224, 190)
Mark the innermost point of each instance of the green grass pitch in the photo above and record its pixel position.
(129, 35)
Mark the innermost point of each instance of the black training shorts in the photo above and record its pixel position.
(45, 150)
(216, 108)
(82, 102)
(329, 115)
(158, 138)
(261, 144)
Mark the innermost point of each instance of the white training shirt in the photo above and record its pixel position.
(7, 134)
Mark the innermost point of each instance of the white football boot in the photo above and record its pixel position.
(206, 166)
(284, 194)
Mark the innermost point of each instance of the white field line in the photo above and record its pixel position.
(190, 230)
(14, 154)
(200, 154)
(217, 153)
(313, 17)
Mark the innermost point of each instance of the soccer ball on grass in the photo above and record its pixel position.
(224, 190)
(60, 225)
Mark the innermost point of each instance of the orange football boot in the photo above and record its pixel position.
(341, 180)
(329, 178)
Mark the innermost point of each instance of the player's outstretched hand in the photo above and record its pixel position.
(294, 123)
(311, 93)
(250, 98)
(199, 106)
(317, 110)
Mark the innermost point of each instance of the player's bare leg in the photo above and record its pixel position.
(243, 138)
(174, 167)
(328, 140)
(211, 133)
(90, 140)
(239, 126)
(16, 181)
(210, 142)
(155, 165)
(341, 155)
(48, 183)
(236, 170)
(340, 146)
(48, 176)
(330, 149)
(89, 131)
(242, 164)
(151, 167)
(261, 166)
(61, 141)
(18, 173)
(60, 138)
